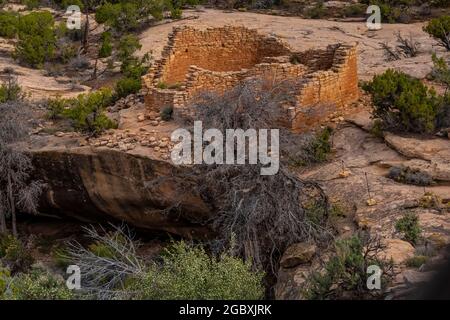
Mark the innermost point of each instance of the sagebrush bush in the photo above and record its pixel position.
(38, 284)
(345, 273)
(188, 272)
(14, 254)
(402, 102)
(439, 28)
(409, 226)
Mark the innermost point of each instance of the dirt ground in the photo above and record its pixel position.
(303, 34)
(300, 34)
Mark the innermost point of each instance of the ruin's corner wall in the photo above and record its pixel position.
(325, 90)
(218, 59)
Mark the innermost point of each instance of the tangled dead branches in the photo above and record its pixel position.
(258, 216)
(108, 262)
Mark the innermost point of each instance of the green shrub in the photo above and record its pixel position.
(188, 272)
(122, 16)
(443, 118)
(31, 4)
(166, 113)
(8, 24)
(439, 29)
(318, 11)
(5, 280)
(345, 273)
(176, 13)
(128, 44)
(409, 226)
(440, 71)
(316, 149)
(38, 285)
(162, 85)
(56, 108)
(106, 47)
(10, 90)
(14, 254)
(37, 39)
(403, 102)
(354, 10)
(416, 261)
(127, 86)
(87, 112)
(66, 52)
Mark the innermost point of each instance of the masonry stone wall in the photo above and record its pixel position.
(218, 59)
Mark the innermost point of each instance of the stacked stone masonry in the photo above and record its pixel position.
(218, 59)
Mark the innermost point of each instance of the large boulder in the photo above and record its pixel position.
(101, 184)
(298, 253)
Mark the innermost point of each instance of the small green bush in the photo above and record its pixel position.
(409, 226)
(416, 261)
(403, 102)
(5, 280)
(316, 149)
(10, 90)
(31, 4)
(87, 112)
(166, 113)
(162, 85)
(8, 24)
(176, 13)
(123, 16)
(127, 86)
(440, 71)
(318, 11)
(14, 254)
(189, 273)
(354, 10)
(439, 29)
(345, 273)
(38, 285)
(56, 108)
(106, 47)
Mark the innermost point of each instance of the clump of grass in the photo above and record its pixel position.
(417, 261)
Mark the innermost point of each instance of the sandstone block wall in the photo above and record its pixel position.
(218, 59)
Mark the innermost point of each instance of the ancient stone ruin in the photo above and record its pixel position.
(217, 59)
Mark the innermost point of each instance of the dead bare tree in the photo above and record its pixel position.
(103, 274)
(17, 191)
(263, 214)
